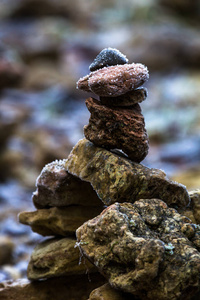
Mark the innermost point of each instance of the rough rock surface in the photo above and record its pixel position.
(115, 80)
(56, 257)
(106, 292)
(108, 57)
(145, 249)
(192, 211)
(58, 220)
(56, 187)
(115, 127)
(116, 178)
(62, 288)
(128, 99)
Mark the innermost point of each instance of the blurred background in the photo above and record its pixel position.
(45, 47)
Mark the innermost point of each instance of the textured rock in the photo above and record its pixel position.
(115, 127)
(145, 249)
(58, 221)
(115, 80)
(106, 292)
(62, 288)
(56, 187)
(116, 178)
(56, 257)
(128, 99)
(192, 211)
(108, 57)
(6, 250)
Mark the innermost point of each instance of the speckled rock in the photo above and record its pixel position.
(115, 80)
(128, 99)
(61, 288)
(58, 220)
(115, 127)
(56, 257)
(192, 211)
(145, 249)
(115, 178)
(106, 292)
(108, 57)
(56, 187)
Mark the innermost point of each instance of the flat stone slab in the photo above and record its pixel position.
(126, 100)
(117, 179)
(146, 249)
(61, 288)
(56, 257)
(58, 221)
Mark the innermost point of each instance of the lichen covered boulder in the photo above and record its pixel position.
(114, 80)
(117, 127)
(56, 187)
(117, 179)
(146, 249)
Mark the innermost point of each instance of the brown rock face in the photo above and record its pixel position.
(58, 220)
(56, 257)
(144, 248)
(56, 187)
(120, 128)
(61, 288)
(117, 179)
(115, 80)
(106, 292)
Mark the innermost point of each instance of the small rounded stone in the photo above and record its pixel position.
(108, 57)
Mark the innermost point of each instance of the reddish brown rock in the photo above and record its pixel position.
(56, 187)
(121, 128)
(115, 80)
(128, 99)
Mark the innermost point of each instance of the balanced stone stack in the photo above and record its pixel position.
(143, 242)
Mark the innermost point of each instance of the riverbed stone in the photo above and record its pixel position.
(58, 221)
(146, 249)
(118, 179)
(117, 127)
(56, 257)
(57, 188)
(71, 287)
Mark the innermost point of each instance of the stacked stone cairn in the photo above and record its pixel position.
(133, 225)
